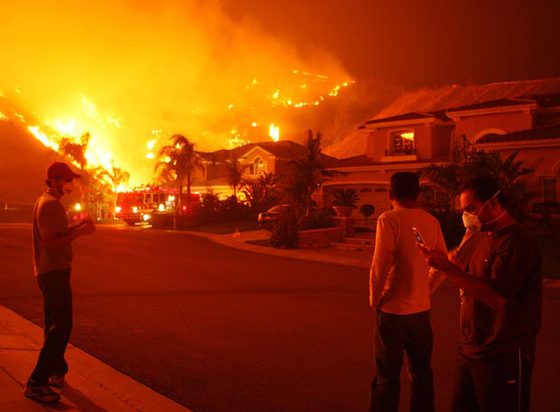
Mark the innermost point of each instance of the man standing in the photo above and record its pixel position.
(501, 303)
(52, 257)
(400, 285)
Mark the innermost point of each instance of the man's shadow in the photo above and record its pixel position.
(77, 398)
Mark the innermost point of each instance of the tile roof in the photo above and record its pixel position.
(410, 116)
(545, 100)
(538, 133)
(491, 104)
(284, 149)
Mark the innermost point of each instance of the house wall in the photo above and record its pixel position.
(472, 126)
(269, 161)
(430, 140)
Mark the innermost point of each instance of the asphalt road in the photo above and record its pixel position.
(220, 329)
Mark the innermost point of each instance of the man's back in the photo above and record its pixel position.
(398, 267)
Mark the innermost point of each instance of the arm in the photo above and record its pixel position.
(53, 226)
(477, 287)
(54, 241)
(436, 279)
(437, 276)
(382, 261)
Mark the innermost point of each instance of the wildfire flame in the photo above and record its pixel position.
(274, 132)
(76, 69)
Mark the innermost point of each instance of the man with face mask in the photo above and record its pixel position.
(501, 299)
(52, 258)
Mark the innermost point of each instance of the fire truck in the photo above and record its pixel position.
(142, 204)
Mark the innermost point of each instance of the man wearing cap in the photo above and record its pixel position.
(52, 258)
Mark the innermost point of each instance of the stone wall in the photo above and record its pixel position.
(320, 238)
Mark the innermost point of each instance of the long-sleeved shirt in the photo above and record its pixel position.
(399, 274)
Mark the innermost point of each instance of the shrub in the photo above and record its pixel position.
(345, 197)
(319, 219)
(367, 210)
(284, 232)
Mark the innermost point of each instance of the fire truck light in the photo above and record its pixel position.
(146, 217)
(184, 208)
(118, 209)
(77, 207)
(135, 209)
(161, 207)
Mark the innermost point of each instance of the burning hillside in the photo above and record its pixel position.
(122, 79)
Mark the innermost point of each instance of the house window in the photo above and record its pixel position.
(402, 143)
(550, 193)
(258, 166)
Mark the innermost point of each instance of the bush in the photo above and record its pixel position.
(320, 219)
(284, 232)
(345, 197)
(367, 210)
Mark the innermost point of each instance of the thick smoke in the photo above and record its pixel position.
(128, 70)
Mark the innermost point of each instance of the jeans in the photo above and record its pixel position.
(497, 383)
(396, 335)
(57, 303)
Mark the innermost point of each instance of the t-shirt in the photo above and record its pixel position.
(50, 220)
(510, 261)
(399, 275)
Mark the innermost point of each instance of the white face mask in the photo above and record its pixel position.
(472, 222)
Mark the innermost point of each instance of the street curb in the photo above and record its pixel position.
(293, 253)
(99, 381)
(220, 239)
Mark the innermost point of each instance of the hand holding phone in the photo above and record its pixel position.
(417, 235)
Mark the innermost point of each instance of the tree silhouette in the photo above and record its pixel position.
(177, 163)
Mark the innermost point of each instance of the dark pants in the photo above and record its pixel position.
(499, 383)
(57, 302)
(395, 335)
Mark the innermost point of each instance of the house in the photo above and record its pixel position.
(529, 124)
(255, 159)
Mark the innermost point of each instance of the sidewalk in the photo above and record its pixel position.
(91, 384)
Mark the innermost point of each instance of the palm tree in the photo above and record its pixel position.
(308, 175)
(449, 177)
(261, 193)
(234, 175)
(178, 162)
(509, 172)
(467, 163)
(74, 150)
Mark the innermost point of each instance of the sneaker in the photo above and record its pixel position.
(57, 381)
(41, 393)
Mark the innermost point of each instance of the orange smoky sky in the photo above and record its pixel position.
(130, 72)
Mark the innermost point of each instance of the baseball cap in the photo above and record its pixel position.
(60, 170)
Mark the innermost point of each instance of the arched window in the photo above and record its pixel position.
(402, 143)
(258, 166)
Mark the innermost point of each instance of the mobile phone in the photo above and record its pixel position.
(418, 237)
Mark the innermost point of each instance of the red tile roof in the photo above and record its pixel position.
(284, 149)
(410, 116)
(491, 104)
(538, 133)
